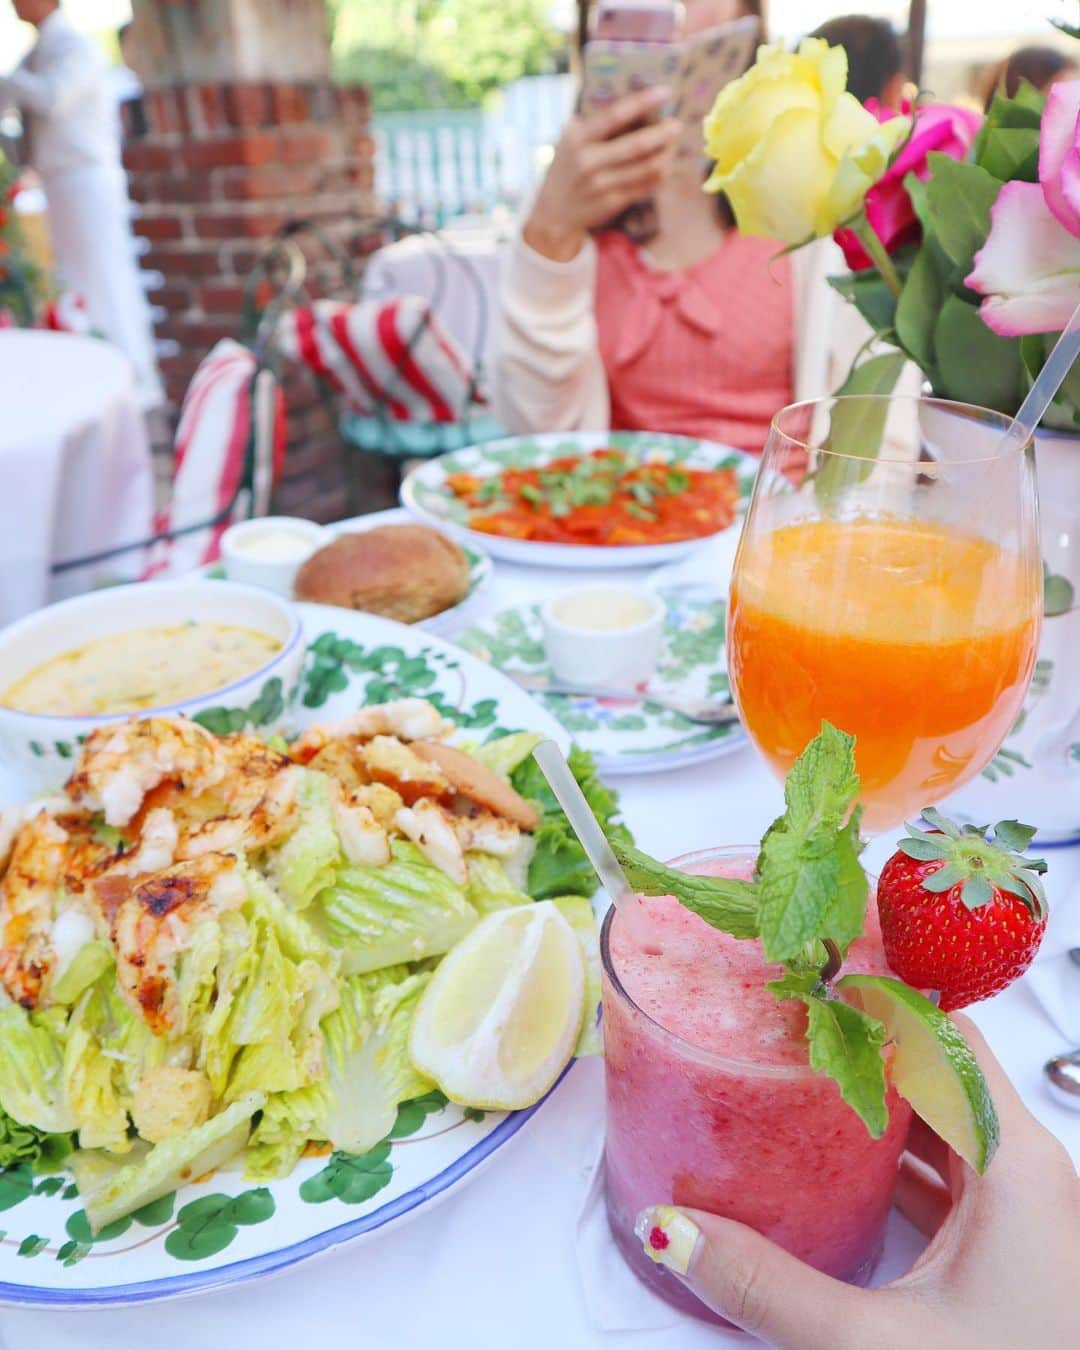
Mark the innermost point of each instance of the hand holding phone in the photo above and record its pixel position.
(603, 164)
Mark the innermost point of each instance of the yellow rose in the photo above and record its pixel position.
(795, 153)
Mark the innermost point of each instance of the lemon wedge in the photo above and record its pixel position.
(501, 1017)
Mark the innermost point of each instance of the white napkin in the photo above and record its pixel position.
(616, 1300)
(1054, 978)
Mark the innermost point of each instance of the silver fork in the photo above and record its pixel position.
(707, 711)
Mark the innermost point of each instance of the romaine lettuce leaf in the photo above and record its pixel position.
(109, 1048)
(110, 1193)
(24, 1144)
(196, 974)
(405, 910)
(91, 1090)
(506, 753)
(304, 864)
(489, 888)
(369, 1087)
(559, 866)
(262, 1031)
(578, 912)
(32, 1068)
(369, 1076)
(296, 935)
(87, 966)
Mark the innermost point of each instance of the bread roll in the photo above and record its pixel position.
(403, 572)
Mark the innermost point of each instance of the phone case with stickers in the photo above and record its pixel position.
(695, 70)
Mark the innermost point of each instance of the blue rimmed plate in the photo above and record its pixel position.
(223, 1230)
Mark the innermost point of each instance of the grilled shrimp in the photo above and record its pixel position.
(12, 819)
(485, 833)
(431, 830)
(363, 839)
(153, 923)
(260, 813)
(396, 765)
(156, 850)
(479, 783)
(412, 719)
(27, 896)
(120, 765)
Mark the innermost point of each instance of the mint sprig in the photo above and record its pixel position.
(808, 888)
(729, 905)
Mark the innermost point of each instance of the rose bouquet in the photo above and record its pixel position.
(962, 234)
(962, 239)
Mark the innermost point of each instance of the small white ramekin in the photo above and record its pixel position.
(272, 574)
(619, 658)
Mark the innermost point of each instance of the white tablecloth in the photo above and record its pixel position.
(494, 1267)
(75, 470)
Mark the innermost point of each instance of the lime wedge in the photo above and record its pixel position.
(501, 1017)
(933, 1067)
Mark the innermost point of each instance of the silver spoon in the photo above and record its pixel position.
(708, 711)
(1063, 1078)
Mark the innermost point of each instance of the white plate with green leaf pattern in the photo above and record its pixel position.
(221, 1230)
(425, 492)
(481, 567)
(629, 737)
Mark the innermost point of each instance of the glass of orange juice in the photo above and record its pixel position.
(888, 579)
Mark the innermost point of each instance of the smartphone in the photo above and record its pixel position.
(636, 21)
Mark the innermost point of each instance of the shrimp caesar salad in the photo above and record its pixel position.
(225, 950)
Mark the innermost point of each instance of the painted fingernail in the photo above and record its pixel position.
(668, 1236)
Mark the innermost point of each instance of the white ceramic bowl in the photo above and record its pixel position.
(615, 658)
(252, 551)
(40, 748)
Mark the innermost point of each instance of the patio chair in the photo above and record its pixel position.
(401, 385)
(228, 451)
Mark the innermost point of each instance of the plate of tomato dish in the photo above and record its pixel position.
(586, 499)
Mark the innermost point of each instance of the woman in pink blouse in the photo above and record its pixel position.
(662, 317)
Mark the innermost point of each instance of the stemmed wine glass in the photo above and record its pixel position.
(888, 579)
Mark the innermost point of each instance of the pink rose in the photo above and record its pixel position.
(938, 126)
(1029, 267)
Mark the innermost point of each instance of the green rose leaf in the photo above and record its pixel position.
(846, 1044)
(856, 429)
(960, 196)
(974, 364)
(917, 310)
(350, 1178)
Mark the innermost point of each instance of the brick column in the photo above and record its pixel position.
(224, 164)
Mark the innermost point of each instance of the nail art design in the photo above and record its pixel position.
(668, 1236)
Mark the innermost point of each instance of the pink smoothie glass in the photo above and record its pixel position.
(711, 1102)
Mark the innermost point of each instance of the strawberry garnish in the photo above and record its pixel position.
(962, 912)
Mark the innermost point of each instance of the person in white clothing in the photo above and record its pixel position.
(68, 106)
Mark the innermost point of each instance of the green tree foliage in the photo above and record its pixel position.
(441, 53)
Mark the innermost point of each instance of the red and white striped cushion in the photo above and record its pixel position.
(393, 357)
(210, 451)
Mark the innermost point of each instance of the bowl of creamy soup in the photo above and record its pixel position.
(227, 655)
